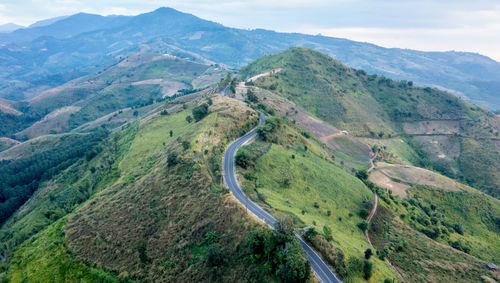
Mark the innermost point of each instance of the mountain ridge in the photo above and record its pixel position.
(471, 76)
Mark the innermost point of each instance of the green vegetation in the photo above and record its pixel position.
(296, 179)
(140, 212)
(21, 177)
(46, 258)
(376, 107)
(420, 259)
(281, 252)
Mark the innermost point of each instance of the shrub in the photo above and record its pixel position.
(214, 256)
(199, 112)
(368, 253)
(363, 226)
(189, 119)
(459, 228)
(186, 145)
(172, 159)
(367, 269)
(252, 97)
(243, 159)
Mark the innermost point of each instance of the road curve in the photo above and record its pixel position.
(318, 266)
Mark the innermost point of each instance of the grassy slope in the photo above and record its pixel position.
(475, 211)
(45, 258)
(313, 180)
(149, 213)
(421, 260)
(369, 105)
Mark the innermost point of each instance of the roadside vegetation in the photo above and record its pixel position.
(288, 173)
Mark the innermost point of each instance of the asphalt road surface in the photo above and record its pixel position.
(318, 266)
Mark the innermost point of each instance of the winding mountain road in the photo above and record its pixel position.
(318, 266)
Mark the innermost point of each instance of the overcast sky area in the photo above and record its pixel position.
(461, 25)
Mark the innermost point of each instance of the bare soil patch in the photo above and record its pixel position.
(382, 180)
(269, 73)
(432, 127)
(398, 178)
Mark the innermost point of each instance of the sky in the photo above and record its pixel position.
(461, 25)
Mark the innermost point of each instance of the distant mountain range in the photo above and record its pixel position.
(9, 27)
(40, 57)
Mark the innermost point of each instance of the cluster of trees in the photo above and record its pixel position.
(281, 252)
(268, 131)
(20, 178)
(200, 111)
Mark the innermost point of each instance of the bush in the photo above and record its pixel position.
(214, 256)
(186, 145)
(363, 226)
(459, 228)
(199, 112)
(368, 253)
(367, 269)
(189, 119)
(252, 97)
(243, 159)
(172, 159)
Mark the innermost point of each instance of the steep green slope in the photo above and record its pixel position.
(293, 176)
(420, 259)
(449, 134)
(24, 167)
(157, 209)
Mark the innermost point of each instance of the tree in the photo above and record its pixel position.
(136, 113)
(172, 159)
(252, 97)
(285, 225)
(459, 228)
(214, 256)
(367, 269)
(199, 112)
(362, 175)
(363, 226)
(368, 253)
(295, 267)
(186, 145)
(243, 159)
(171, 133)
(310, 234)
(189, 119)
(327, 232)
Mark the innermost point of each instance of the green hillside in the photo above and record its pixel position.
(458, 139)
(153, 196)
(133, 82)
(294, 177)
